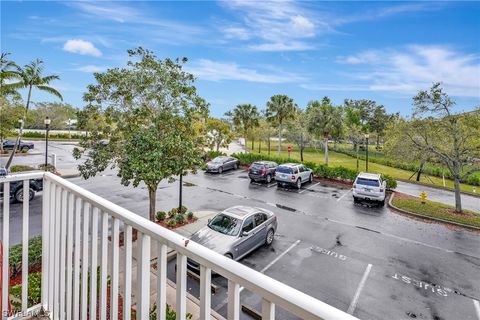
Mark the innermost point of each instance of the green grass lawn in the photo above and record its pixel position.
(340, 159)
(435, 209)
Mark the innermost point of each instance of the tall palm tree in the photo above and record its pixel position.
(324, 120)
(8, 71)
(244, 117)
(279, 109)
(31, 77)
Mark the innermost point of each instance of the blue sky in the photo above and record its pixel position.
(247, 51)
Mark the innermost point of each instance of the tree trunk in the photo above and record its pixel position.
(259, 146)
(356, 147)
(245, 140)
(152, 195)
(458, 199)
(279, 139)
(268, 143)
(253, 144)
(419, 173)
(20, 131)
(301, 146)
(325, 144)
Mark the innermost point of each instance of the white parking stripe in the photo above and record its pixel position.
(344, 195)
(313, 185)
(276, 259)
(477, 308)
(353, 305)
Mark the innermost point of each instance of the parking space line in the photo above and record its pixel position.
(271, 185)
(353, 305)
(313, 185)
(477, 308)
(344, 195)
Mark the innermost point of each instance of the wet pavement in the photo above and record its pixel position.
(363, 259)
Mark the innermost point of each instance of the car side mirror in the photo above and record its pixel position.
(244, 234)
(209, 220)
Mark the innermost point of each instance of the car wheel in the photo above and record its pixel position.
(19, 195)
(299, 183)
(355, 200)
(252, 180)
(310, 179)
(269, 178)
(25, 149)
(382, 203)
(270, 237)
(228, 255)
(220, 170)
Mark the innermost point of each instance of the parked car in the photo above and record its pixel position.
(23, 146)
(369, 186)
(262, 171)
(16, 187)
(223, 163)
(236, 231)
(293, 174)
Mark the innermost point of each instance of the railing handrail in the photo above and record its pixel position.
(275, 291)
(34, 174)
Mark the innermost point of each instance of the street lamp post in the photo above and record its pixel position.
(366, 152)
(47, 125)
(69, 128)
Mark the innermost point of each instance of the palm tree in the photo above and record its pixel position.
(324, 120)
(280, 108)
(8, 71)
(31, 77)
(244, 117)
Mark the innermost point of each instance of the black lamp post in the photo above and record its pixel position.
(47, 125)
(366, 151)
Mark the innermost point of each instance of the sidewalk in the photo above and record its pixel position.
(193, 306)
(439, 195)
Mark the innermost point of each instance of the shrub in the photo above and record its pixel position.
(171, 223)
(34, 290)
(50, 167)
(161, 215)
(391, 182)
(174, 210)
(171, 213)
(170, 314)
(20, 168)
(34, 255)
(180, 218)
(190, 215)
(213, 154)
(183, 209)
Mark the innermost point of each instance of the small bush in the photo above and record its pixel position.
(20, 168)
(171, 213)
(34, 290)
(161, 215)
(213, 154)
(170, 314)
(391, 182)
(174, 210)
(50, 168)
(171, 223)
(190, 215)
(34, 255)
(180, 218)
(183, 209)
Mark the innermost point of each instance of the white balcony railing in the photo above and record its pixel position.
(76, 228)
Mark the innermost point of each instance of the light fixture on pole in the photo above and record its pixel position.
(47, 125)
(366, 151)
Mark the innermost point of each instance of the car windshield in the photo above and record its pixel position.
(257, 166)
(218, 160)
(284, 170)
(368, 182)
(225, 224)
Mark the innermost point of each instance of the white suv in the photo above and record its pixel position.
(293, 174)
(369, 186)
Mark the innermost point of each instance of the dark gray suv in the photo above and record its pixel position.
(262, 171)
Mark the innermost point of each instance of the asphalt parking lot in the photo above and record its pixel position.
(361, 258)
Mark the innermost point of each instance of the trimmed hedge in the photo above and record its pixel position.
(40, 134)
(319, 170)
(431, 170)
(213, 154)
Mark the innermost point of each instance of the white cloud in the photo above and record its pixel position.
(210, 70)
(90, 69)
(416, 67)
(274, 25)
(106, 10)
(82, 47)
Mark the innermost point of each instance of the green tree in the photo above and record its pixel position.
(452, 138)
(149, 108)
(297, 131)
(378, 122)
(9, 71)
(31, 77)
(9, 115)
(324, 120)
(59, 113)
(355, 131)
(280, 108)
(218, 134)
(244, 118)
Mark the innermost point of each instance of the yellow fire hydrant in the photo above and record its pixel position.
(423, 196)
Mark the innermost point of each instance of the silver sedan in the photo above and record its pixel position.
(237, 231)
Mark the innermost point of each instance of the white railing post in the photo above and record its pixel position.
(268, 309)
(76, 260)
(56, 284)
(70, 223)
(93, 269)
(233, 301)
(51, 249)
(25, 220)
(45, 242)
(161, 281)
(5, 245)
(104, 268)
(114, 270)
(205, 292)
(181, 289)
(86, 239)
(127, 299)
(143, 276)
(63, 246)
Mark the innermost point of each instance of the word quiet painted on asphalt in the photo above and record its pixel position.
(441, 291)
(329, 253)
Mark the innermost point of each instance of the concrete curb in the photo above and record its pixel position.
(429, 217)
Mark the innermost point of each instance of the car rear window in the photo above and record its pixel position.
(368, 182)
(257, 166)
(284, 170)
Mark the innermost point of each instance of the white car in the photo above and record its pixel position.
(369, 186)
